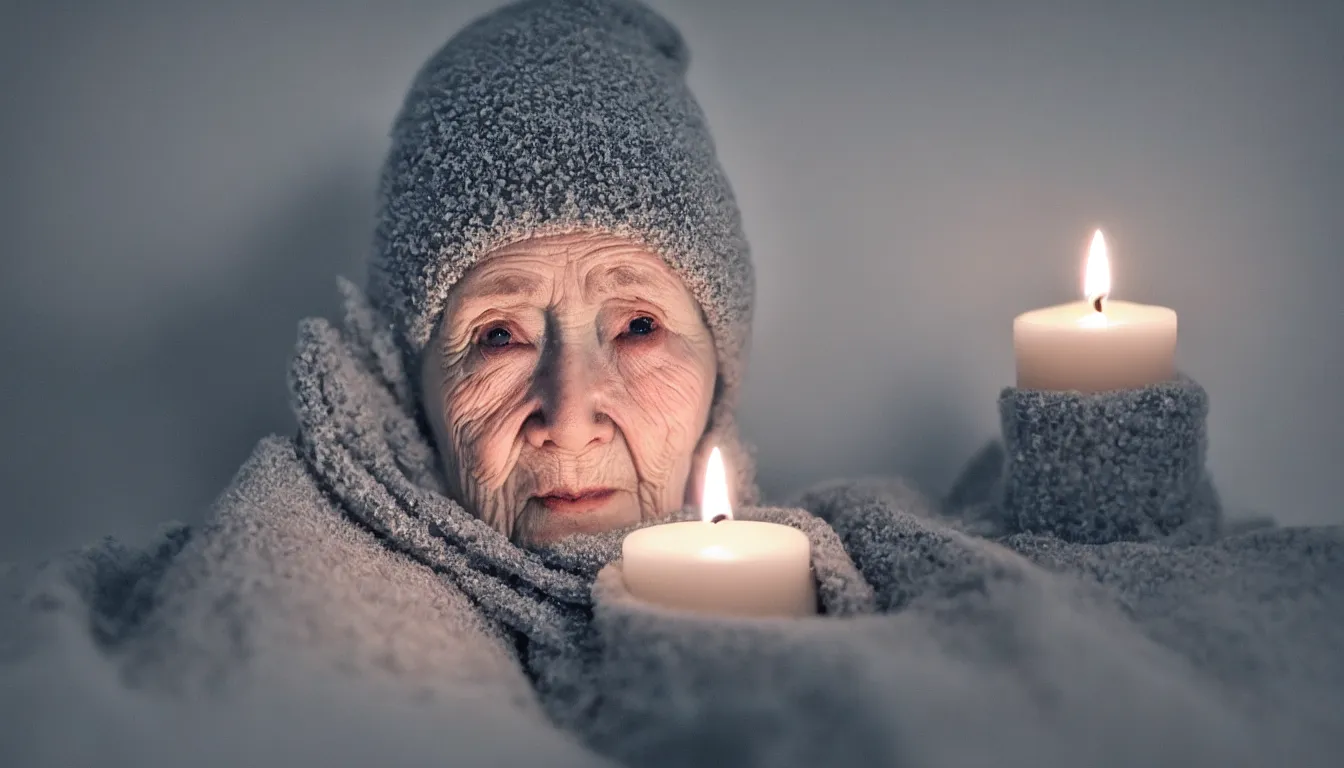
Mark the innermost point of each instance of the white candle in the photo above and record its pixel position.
(741, 567)
(1095, 345)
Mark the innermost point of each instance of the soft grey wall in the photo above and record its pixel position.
(181, 183)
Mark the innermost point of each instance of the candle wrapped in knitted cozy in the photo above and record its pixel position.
(1111, 466)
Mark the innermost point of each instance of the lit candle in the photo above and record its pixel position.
(721, 565)
(1096, 345)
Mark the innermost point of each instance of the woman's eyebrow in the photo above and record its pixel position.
(502, 285)
(501, 290)
(619, 276)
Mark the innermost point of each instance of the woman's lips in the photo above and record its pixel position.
(576, 502)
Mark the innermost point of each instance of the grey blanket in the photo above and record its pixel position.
(337, 606)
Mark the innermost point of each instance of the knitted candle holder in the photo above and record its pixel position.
(1111, 466)
(673, 687)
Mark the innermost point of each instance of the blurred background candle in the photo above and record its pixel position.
(1097, 344)
(721, 565)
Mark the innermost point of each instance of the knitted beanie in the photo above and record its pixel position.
(552, 116)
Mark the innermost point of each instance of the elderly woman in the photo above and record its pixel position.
(551, 340)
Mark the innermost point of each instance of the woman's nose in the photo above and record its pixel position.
(569, 416)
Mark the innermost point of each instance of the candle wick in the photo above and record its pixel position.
(1097, 302)
(719, 518)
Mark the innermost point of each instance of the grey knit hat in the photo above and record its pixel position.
(552, 116)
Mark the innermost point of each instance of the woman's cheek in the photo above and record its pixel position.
(479, 414)
(668, 392)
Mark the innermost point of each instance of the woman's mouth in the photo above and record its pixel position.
(573, 502)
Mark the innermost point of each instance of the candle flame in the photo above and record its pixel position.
(1097, 275)
(714, 496)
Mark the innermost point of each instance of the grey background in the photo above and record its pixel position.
(182, 182)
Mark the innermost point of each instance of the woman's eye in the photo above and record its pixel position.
(642, 326)
(498, 336)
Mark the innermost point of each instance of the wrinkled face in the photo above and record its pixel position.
(568, 386)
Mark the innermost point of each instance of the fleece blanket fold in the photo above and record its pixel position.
(336, 577)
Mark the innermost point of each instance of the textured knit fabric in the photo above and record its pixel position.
(1110, 466)
(338, 607)
(555, 116)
